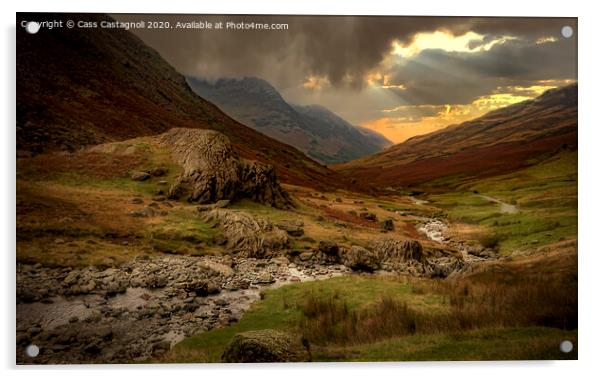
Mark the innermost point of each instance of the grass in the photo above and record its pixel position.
(520, 314)
(103, 171)
(530, 343)
(262, 211)
(77, 252)
(280, 309)
(183, 232)
(545, 194)
(83, 202)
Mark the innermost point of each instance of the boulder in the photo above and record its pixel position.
(213, 171)
(387, 225)
(328, 247)
(292, 227)
(264, 278)
(444, 267)
(199, 287)
(247, 235)
(140, 176)
(368, 216)
(360, 259)
(306, 256)
(395, 250)
(266, 346)
(158, 171)
(147, 211)
(218, 268)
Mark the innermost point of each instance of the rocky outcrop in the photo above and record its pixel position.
(246, 235)
(410, 257)
(213, 171)
(266, 346)
(360, 259)
(394, 250)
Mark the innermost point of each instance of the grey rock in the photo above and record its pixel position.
(266, 346)
(213, 171)
(142, 213)
(158, 171)
(292, 227)
(246, 235)
(328, 247)
(368, 216)
(359, 258)
(264, 278)
(140, 176)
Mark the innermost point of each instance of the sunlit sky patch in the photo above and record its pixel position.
(404, 121)
(446, 41)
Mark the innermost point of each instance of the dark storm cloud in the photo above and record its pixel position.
(342, 49)
(335, 47)
(440, 77)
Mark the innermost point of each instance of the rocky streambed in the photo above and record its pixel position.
(142, 308)
(438, 231)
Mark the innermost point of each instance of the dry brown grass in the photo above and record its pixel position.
(90, 164)
(509, 297)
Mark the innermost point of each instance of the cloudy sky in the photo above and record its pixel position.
(400, 76)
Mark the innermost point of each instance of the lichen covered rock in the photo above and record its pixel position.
(247, 235)
(394, 250)
(213, 171)
(360, 259)
(266, 346)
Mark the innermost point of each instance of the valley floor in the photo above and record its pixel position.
(117, 252)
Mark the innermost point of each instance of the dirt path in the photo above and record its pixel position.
(505, 208)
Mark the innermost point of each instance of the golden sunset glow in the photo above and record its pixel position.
(397, 126)
(433, 79)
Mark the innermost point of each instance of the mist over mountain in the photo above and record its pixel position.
(313, 129)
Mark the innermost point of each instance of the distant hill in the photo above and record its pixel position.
(313, 129)
(78, 87)
(500, 141)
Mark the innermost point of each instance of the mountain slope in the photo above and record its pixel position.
(500, 141)
(313, 129)
(78, 87)
(377, 138)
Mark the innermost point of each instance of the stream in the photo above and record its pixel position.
(141, 322)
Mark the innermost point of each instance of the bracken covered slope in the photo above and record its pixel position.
(78, 87)
(501, 141)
